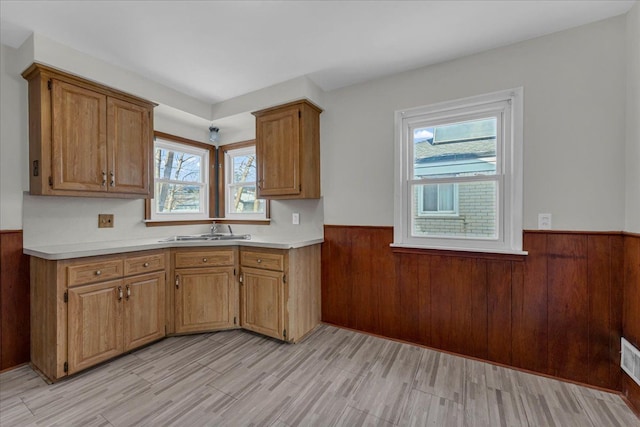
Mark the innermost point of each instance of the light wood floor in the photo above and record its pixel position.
(334, 377)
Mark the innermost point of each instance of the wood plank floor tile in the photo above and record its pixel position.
(441, 374)
(424, 409)
(352, 417)
(334, 377)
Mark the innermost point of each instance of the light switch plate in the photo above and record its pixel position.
(544, 221)
(295, 218)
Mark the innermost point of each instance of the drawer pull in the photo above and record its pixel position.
(146, 264)
(98, 272)
(204, 260)
(259, 260)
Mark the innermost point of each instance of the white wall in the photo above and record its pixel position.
(14, 149)
(574, 127)
(632, 223)
(575, 105)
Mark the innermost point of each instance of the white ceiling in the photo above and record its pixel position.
(216, 50)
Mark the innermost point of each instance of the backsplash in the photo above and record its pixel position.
(64, 220)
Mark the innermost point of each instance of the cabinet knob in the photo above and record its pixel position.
(98, 272)
(146, 264)
(204, 260)
(259, 260)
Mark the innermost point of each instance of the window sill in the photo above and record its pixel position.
(165, 223)
(458, 252)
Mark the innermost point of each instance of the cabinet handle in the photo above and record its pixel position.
(177, 282)
(98, 272)
(204, 260)
(128, 292)
(146, 264)
(241, 279)
(104, 178)
(113, 179)
(119, 293)
(259, 261)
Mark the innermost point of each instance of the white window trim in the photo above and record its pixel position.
(509, 173)
(204, 183)
(228, 187)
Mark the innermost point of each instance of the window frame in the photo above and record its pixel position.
(215, 188)
(438, 214)
(508, 176)
(207, 151)
(224, 171)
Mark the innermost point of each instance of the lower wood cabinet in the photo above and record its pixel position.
(280, 291)
(205, 299)
(143, 309)
(205, 290)
(85, 311)
(262, 302)
(95, 324)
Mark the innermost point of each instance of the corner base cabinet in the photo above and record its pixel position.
(280, 291)
(87, 310)
(205, 290)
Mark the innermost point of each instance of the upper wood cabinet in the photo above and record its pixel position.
(86, 139)
(288, 151)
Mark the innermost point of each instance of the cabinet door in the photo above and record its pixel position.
(143, 309)
(262, 295)
(129, 145)
(79, 145)
(204, 299)
(94, 324)
(278, 152)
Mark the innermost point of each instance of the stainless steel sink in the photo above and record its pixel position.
(207, 237)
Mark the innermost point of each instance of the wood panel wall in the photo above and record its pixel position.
(14, 301)
(557, 311)
(631, 310)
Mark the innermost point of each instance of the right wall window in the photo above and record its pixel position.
(459, 174)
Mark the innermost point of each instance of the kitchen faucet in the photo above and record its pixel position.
(214, 228)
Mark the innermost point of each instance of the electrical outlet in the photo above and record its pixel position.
(295, 218)
(105, 220)
(544, 221)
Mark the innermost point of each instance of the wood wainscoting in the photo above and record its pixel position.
(14, 301)
(631, 310)
(557, 311)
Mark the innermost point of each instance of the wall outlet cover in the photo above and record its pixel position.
(105, 220)
(544, 221)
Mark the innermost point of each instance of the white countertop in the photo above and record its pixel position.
(78, 250)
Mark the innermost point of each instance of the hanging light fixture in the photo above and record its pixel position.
(214, 134)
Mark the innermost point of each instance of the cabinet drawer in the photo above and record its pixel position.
(204, 258)
(143, 264)
(93, 272)
(263, 260)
